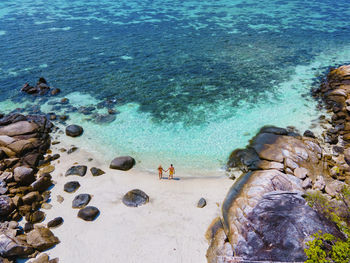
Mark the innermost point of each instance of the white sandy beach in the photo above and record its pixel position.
(170, 228)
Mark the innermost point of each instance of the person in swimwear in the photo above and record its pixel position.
(171, 170)
(160, 171)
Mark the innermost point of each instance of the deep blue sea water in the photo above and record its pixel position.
(190, 80)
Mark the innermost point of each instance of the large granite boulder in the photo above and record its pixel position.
(11, 247)
(123, 163)
(19, 128)
(74, 130)
(6, 206)
(24, 175)
(278, 227)
(135, 198)
(41, 238)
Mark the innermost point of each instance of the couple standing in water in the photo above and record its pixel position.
(171, 170)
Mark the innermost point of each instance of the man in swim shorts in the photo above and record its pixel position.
(171, 170)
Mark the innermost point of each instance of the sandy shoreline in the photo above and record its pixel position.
(170, 228)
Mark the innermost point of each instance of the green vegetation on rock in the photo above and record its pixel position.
(325, 247)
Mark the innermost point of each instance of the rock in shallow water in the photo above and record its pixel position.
(71, 187)
(74, 130)
(135, 198)
(81, 200)
(77, 170)
(123, 163)
(88, 213)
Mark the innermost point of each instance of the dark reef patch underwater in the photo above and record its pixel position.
(187, 79)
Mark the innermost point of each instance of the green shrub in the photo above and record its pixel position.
(325, 247)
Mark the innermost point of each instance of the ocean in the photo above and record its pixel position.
(190, 81)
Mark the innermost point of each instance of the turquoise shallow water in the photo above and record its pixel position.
(191, 80)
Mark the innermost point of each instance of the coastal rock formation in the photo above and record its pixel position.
(41, 88)
(123, 163)
(24, 183)
(74, 130)
(264, 215)
(135, 198)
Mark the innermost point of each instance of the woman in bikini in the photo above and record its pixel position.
(160, 171)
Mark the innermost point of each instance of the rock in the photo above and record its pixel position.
(307, 183)
(74, 130)
(19, 128)
(40, 258)
(71, 187)
(81, 200)
(201, 203)
(320, 183)
(36, 217)
(47, 169)
(309, 134)
(301, 172)
(96, 171)
(266, 165)
(88, 213)
(41, 238)
(24, 175)
(28, 227)
(135, 198)
(60, 199)
(123, 163)
(46, 206)
(55, 222)
(11, 247)
(334, 188)
(43, 183)
(77, 170)
(32, 197)
(6, 205)
(55, 91)
(72, 150)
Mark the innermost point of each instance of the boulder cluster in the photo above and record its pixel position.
(264, 215)
(24, 185)
(41, 88)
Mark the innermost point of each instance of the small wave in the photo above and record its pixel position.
(2, 32)
(126, 57)
(60, 28)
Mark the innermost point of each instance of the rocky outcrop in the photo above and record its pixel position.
(24, 184)
(264, 215)
(41, 88)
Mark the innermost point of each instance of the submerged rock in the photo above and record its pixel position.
(123, 163)
(135, 198)
(74, 130)
(88, 213)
